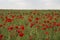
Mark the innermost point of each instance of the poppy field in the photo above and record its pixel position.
(29, 24)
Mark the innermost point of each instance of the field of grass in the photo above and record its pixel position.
(29, 24)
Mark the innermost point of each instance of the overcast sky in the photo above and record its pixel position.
(29, 4)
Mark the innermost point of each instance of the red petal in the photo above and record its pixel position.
(22, 27)
(21, 34)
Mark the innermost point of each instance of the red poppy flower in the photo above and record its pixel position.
(44, 21)
(21, 17)
(58, 24)
(43, 28)
(37, 18)
(48, 21)
(47, 26)
(13, 16)
(46, 33)
(22, 27)
(16, 27)
(10, 28)
(8, 20)
(50, 26)
(21, 34)
(55, 18)
(31, 25)
(31, 16)
(54, 23)
(18, 31)
(30, 20)
(1, 36)
(36, 21)
(1, 17)
(50, 18)
(38, 27)
(43, 24)
(47, 15)
(1, 25)
(6, 17)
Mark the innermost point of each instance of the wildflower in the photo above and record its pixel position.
(10, 28)
(1, 36)
(31, 25)
(30, 20)
(13, 16)
(54, 23)
(43, 24)
(21, 34)
(58, 24)
(22, 27)
(46, 33)
(47, 26)
(16, 27)
(1, 25)
(50, 18)
(18, 31)
(8, 20)
(37, 18)
(43, 28)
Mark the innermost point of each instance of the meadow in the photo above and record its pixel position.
(29, 24)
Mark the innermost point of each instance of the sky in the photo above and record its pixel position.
(29, 4)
